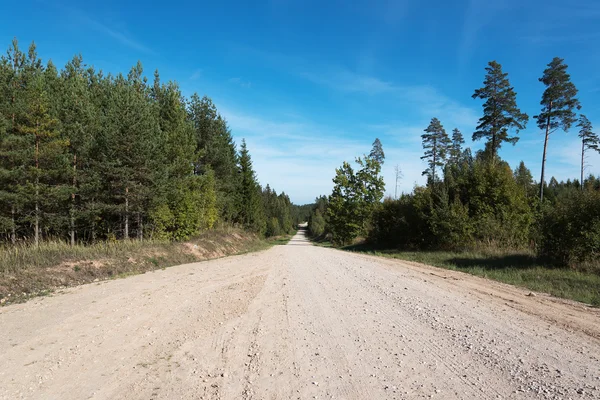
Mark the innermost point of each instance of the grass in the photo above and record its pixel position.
(280, 240)
(515, 268)
(26, 271)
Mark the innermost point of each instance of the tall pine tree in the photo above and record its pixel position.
(455, 150)
(13, 147)
(589, 140)
(435, 143)
(558, 103)
(500, 111)
(251, 212)
(215, 150)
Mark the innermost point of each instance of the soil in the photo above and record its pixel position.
(299, 322)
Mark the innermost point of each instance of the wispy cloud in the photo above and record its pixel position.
(240, 82)
(284, 145)
(121, 36)
(478, 15)
(196, 74)
(342, 79)
(423, 99)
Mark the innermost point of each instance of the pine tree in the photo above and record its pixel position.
(183, 203)
(558, 103)
(85, 155)
(215, 150)
(524, 178)
(500, 111)
(39, 130)
(77, 118)
(13, 148)
(250, 205)
(377, 153)
(131, 147)
(456, 150)
(435, 143)
(589, 140)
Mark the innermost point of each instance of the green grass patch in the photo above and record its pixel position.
(515, 268)
(280, 240)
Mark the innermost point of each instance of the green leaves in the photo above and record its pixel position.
(355, 196)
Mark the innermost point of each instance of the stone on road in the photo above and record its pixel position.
(299, 322)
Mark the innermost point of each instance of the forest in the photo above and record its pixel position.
(477, 202)
(87, 156)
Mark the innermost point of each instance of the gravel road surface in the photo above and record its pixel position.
(299, 322)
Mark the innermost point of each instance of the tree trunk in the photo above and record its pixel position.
(37, 191)
(544, 154)
(140, 225)
(434, 163)
(126, 213)
(73, 200)
(37, 216)
(582, 159)
(13, 232)
(93, 221)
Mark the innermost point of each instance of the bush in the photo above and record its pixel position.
(498, 206)
(570, 230)
(401, 223)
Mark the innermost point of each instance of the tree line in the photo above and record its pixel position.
(474, 201)
(88, 156)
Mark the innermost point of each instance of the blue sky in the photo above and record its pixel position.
(310, 84)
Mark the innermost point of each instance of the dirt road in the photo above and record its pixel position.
(299, 322)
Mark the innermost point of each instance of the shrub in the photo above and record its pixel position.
(570, 230)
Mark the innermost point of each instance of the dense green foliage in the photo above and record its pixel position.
(355, 197)
(317, 223)
(86, 156)
(571, 228)
(476, 202)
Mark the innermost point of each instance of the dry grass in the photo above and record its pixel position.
(26, 271)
